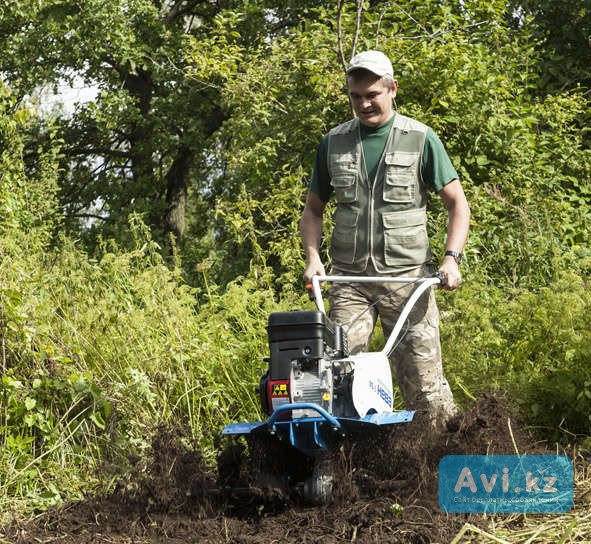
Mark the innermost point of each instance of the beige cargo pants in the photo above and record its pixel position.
(416, 360)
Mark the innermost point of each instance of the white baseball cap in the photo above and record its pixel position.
(374, 61)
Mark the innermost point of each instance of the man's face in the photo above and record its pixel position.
(372, 100)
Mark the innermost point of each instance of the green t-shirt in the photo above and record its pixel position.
(436, 168)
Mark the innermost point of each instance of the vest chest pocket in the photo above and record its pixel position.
(405, 238)
(345, 186)
(401, 174)
(343, 243)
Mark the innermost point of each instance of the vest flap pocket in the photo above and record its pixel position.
(401, 158)
(345, 218)
(401, 177)
(343, 244)
(345, 187)
(400, 190)
(346, 157)
(343, 180)
(405, 238)
(408, 218)
(342, 163)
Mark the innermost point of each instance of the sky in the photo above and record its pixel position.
(66, 97)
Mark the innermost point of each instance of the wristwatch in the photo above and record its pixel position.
(457, 256)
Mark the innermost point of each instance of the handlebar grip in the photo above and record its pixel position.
(441, 277)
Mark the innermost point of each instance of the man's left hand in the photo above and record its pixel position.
(452, 272)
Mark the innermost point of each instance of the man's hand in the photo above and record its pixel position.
(452, 272)
(314, 268)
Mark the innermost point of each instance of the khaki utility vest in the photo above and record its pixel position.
(384, 221)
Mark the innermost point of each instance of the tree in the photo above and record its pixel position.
(561, 32)
(463, 72)
(209, 113)
(145, 140)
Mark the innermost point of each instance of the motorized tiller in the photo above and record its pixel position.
(316, 393)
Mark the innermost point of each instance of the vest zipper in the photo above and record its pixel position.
(370, 185)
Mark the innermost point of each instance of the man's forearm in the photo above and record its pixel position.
(458, 226)
(311, 234)
(458, 216)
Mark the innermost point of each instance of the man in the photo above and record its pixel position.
(379, 165)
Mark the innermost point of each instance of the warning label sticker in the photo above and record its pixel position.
(279, 389)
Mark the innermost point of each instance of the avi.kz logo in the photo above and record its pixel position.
(506, 483)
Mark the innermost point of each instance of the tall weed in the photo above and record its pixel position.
(95, 351)
(100, 351)
(536, 345)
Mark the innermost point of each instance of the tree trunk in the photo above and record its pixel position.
(177, 180)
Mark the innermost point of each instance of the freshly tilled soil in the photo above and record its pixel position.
(385, 490)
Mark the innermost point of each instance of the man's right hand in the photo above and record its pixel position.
(314, 268)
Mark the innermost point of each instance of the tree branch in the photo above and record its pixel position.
(178, 10)
(434, 35)
(441, 32)
(98, 151)
(89, 216)
(379, 26)
(495, 192)
(340, 35)
(359, 7)
(174, 12)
